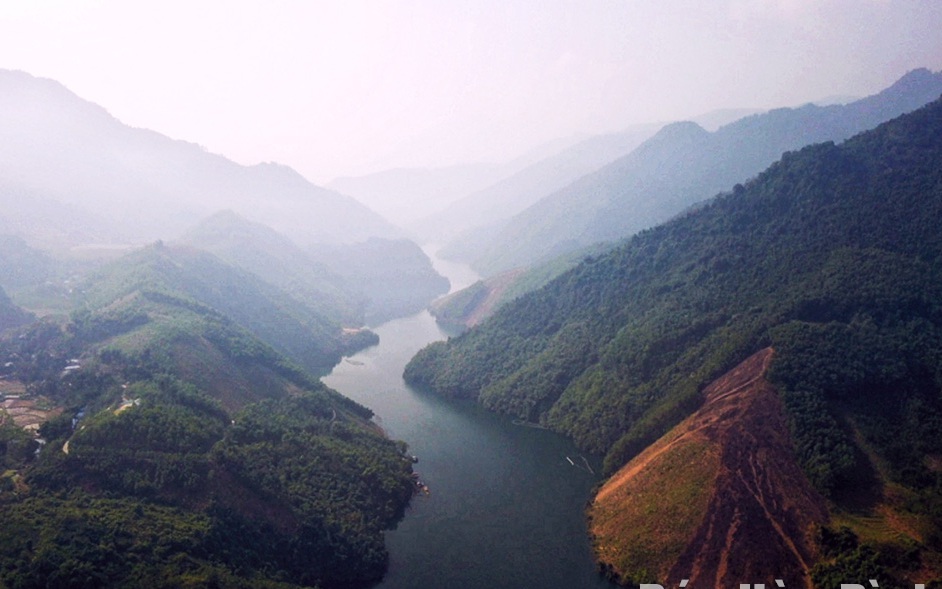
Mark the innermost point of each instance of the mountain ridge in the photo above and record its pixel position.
(495, 203)
(100, 163)
(659, 179)
(260, 250)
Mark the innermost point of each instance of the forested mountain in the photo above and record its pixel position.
(469, 306)
(351, 283)
(274, 258)
(394, 276)
(182, 450)
(680, 166)
(833, 258)
(314, 341)
(74, 174)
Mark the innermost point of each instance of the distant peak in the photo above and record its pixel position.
(276, 168)
(21, 77)
(916, 74)
(26, 86)
(682, 130)
(281, 172)
(915, 80)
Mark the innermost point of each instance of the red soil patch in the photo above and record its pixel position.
(760, 511)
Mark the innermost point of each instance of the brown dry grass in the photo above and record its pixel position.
(641, 525)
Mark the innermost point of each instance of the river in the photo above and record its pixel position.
(506, 505)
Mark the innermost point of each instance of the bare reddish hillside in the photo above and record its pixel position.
(719, 500)
(496, 287)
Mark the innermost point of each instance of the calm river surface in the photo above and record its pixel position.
(505, 507)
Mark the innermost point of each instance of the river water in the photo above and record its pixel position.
(506, 505)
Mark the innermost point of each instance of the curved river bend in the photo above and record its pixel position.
(505, 507)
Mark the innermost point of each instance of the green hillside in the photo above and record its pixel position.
(181, 450)
(832, 256)
(193, 277)
(274, 258)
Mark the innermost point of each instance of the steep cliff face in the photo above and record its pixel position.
(720, 500)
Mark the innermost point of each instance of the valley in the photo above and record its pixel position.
(696, 343)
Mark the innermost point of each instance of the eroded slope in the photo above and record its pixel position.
(720, 500)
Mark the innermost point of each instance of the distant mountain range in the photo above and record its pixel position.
(70, 173)
(469, 222)
(404, 195)
(74, 179)
(680, 166)
(394, 277)
(518, 191)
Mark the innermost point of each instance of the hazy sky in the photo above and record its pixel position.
(347, 87)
